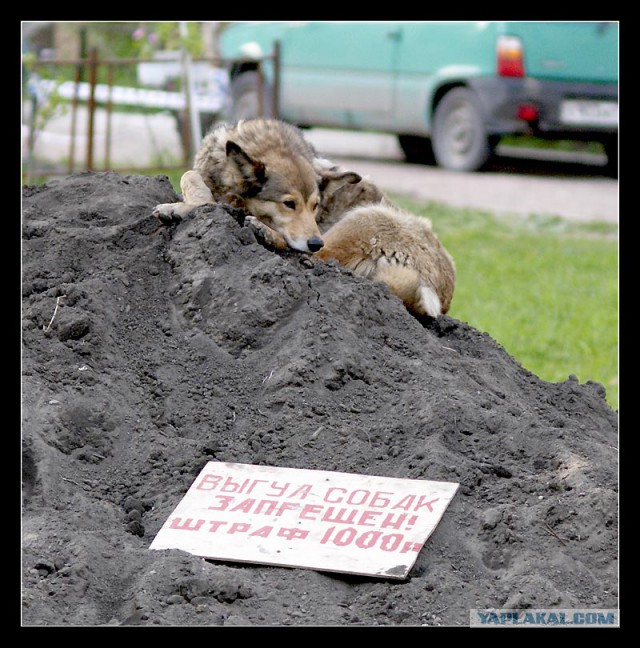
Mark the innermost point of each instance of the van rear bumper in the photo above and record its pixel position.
(501, 99)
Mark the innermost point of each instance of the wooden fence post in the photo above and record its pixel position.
(74, 110)
(91, 105)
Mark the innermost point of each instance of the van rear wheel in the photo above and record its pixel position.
(460, 139)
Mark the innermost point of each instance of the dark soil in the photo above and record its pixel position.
(156, 362)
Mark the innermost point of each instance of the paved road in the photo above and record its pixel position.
(572, 186)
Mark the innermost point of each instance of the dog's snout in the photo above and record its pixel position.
(315, 243)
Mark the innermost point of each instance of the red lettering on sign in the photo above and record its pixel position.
(279, 490)
(223, 502)
(345, 537)
(270, 505)
(293, 534)
(380, 502)
(211, 482)
(187, 525)
(287, 506)
(391, 542)
(230, 486)
(255, 483)
(393, 521)
(368, 539)
(214, 525)
(334, 501)
(208, 482)
(239, 527)
(341, 516)
(302, 491)
(308, 511)
(412, 520)
(262, 532)
(327, 535)
(244, 506)
(428, 503)
(358, 497)
(368, 515)
(411, 546)
(406, 502)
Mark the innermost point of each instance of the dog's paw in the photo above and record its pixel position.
(262, 233)
(167, 214)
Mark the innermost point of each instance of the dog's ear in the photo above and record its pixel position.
(337, 178)
(253, 171)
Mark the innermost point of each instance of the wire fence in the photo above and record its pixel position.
(129, 114)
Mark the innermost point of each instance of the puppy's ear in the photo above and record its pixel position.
(253, 171)
(337, 179)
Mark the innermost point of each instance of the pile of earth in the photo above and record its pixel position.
(148, 351)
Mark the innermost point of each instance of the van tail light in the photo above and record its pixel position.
(510, 57)
(528, 113)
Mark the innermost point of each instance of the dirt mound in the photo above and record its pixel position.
(148, 351)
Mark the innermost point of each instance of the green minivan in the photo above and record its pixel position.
(448, 90)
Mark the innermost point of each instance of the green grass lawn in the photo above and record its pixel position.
(544, 288)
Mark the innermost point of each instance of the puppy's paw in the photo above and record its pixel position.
(167, 213)
(263, 234)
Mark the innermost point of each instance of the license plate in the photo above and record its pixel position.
(581, 112)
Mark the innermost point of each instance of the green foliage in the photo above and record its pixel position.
(139, 39)
(128, 40)
(149, 37)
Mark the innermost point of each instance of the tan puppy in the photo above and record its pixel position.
(264, 166)
(387, 244)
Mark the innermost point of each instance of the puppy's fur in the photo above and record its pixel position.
(371, 236)
(264, 166)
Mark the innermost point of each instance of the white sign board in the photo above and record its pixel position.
(314, 519)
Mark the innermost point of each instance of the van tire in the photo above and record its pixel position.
(245, 90)
(460, 139)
